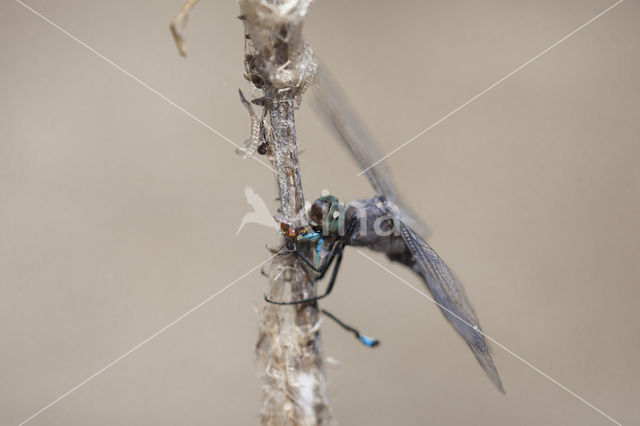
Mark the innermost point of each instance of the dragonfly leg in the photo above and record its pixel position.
(336, 248)
(285, 248)
(365, 340)
(332, 281)
(322, 270)
(335, 253)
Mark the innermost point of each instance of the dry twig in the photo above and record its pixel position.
(179, 22)
(280, 65)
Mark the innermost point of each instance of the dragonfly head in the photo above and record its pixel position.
(327, 214)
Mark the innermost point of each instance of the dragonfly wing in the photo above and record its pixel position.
(334, 108)
(449, 294)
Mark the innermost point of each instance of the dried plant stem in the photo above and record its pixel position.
(281, 65)
(294, 389)
(179, 22)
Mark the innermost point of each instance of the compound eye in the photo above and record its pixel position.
(316, 213)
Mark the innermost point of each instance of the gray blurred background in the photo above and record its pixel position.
(119, 212)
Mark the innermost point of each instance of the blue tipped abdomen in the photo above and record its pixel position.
(369, 341)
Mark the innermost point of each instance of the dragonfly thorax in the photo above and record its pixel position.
(327, 215)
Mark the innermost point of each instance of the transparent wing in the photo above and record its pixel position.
(331, 104)
(452, 299)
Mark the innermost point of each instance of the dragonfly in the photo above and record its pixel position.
(381, 223)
